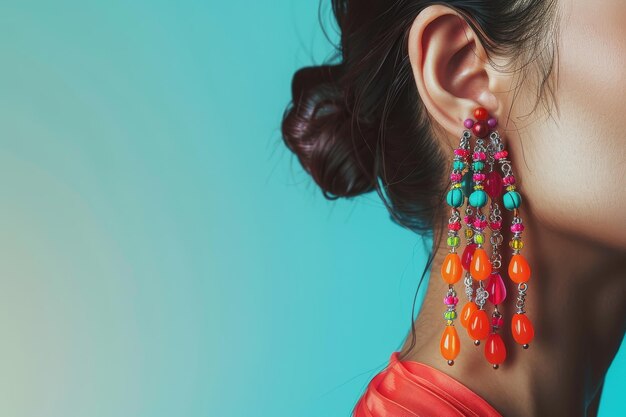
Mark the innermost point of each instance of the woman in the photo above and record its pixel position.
(540, 79)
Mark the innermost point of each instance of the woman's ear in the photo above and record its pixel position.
(451, 69)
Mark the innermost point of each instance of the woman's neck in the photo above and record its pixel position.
(576, 300)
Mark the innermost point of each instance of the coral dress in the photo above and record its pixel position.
(413, 389)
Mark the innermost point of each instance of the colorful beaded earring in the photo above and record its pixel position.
(519, 269)
(480, 265)
(471, 182)
(452, 269)
(495, 349)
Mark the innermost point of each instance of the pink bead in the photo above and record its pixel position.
(495, 225)
(517, 227)
(492, 122)
(501, 154)
(466, 258)
(468, 219)
(493, 185)
(450, 300)
(478, 177)
(461, 152)
(480, 224)
(496, 288)
(509, 179)
(479, 156)
(454, 226)
(497, 321)
(468, 123)
(455, 177)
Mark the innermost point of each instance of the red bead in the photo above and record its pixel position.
(480, 129)
(481, 114)
(496, 288)
(493, 185)
(495, 350)
(466, 258)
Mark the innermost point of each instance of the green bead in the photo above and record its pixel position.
(478, 198)
(478, 165)
(512, 200)
(454, 241)
(479, 239)
(455, 198)
(449, 315)
(458, 165)
(467, 183)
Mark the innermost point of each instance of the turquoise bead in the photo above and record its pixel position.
(478, 165)
(458, 165)
(478, 198)
(467, 183)
(512, 200)
(455, 198)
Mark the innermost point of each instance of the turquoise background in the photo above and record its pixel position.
(162, 254)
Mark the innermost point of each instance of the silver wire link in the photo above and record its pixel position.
(481, 295)
(520, 303)
(469, 286)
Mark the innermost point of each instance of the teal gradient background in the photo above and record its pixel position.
(162, 253)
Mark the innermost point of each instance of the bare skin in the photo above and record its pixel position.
(577, 301)
(570, 167)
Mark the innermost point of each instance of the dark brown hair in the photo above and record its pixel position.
(357, 123)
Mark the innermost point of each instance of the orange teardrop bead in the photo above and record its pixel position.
(450, 345)
(451, 269)
(495, 350)
(467, 311)
(519, 270)
(522, 329)
(481, 266)
(478, 325)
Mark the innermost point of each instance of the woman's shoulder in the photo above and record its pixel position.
(409, 388)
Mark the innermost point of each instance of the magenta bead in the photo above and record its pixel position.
(461, 152)
(468, 219)
(479, 156)
(495, 225)
(517, 227)
(509, 179)
(456, 177)
(478, 177)
(468, 123)
(492, 122)
(466, 258)
(496, 289)
(497, 321)
(493, 185)
(501, 154)
(480, 224)
(450, 300)
(454, 226)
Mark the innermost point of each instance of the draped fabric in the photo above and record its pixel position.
(413, 389)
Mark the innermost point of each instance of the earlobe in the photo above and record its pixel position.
(450, 67)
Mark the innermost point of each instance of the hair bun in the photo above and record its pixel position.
(321, 130)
